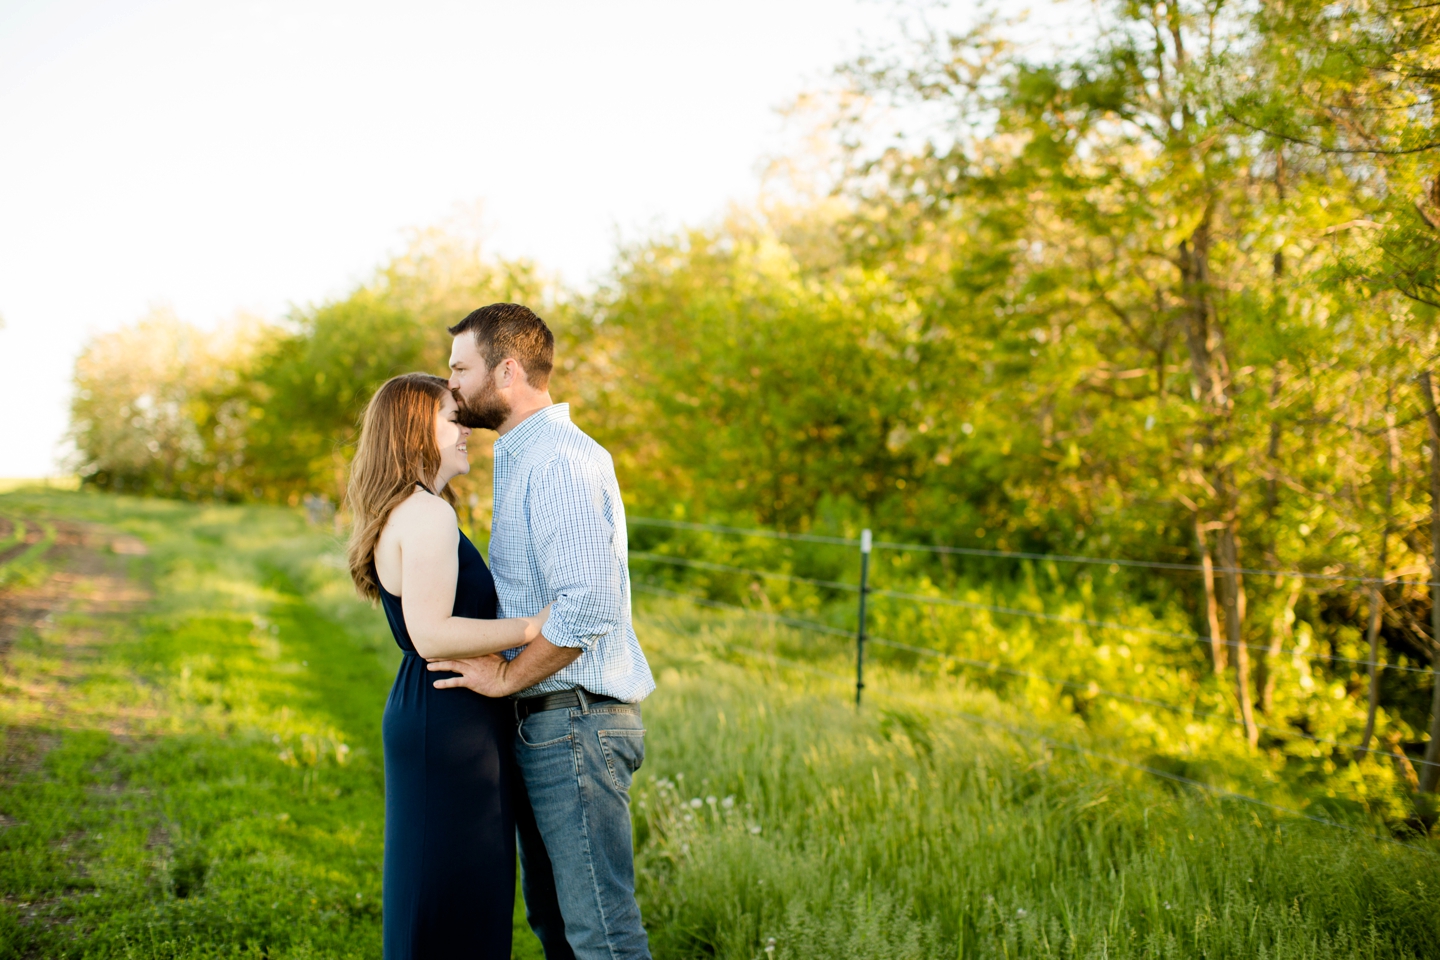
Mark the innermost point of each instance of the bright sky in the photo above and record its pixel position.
(225, 156)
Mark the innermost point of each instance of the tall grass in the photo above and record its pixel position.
(1115, 646)
(772, 808)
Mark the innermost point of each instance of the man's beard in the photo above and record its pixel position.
(485, 412)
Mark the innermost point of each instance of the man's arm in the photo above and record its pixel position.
(494, 676)
(574, 545)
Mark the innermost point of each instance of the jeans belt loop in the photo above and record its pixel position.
(584, 701)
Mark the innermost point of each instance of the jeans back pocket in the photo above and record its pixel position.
(624, 752)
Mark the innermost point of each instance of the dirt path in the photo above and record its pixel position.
(80, 597)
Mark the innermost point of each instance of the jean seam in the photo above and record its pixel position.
(585, 808)
(578, 749)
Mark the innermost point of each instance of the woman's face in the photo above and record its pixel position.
(451, 438)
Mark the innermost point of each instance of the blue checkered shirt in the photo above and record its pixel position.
(558, 536)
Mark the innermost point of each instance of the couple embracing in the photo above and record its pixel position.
(514, 718)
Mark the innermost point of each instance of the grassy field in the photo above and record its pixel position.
(191, 768)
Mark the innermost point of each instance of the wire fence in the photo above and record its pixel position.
(860, 636)
(1088, 686)
(1024, 555)
(1007, 611)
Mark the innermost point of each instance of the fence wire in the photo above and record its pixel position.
(738, 531)
(1024, 555)
(1089, 687)
(727, 568)
(1007, 611)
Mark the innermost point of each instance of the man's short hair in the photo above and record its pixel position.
(504, 330)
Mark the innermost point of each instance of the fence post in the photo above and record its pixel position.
(860, 631)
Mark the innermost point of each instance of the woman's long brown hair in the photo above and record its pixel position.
(397, 451)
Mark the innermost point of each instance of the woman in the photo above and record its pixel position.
(449, 880)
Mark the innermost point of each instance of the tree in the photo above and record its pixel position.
(141, 397)
(1203, 289)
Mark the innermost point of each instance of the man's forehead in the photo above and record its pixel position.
(462, 348)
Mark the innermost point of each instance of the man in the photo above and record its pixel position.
(558, 538)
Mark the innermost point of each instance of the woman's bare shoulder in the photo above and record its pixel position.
(423, 513)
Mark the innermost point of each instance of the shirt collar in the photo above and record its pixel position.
(526, 430)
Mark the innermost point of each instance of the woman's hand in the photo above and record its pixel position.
(532, 630)
(484, 675)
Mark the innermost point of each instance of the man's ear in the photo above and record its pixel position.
(513, 374)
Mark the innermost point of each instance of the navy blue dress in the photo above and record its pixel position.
(449, 883)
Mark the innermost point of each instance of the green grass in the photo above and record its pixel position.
(200, 776)
(903, 833)
(14, 537)
(25, 562)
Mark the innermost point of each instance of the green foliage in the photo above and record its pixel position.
(149, 412)
(272, 413)
(308, 389)
(794, 389)
(1111, 305)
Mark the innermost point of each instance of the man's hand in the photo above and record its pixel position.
(494, 676)
(484, 675)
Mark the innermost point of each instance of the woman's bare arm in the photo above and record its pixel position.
(429, 540)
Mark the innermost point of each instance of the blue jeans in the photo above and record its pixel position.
(577, 861)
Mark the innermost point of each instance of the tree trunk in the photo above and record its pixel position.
(1272, 451)
(1212, 611)
(1431, 776)
(1281, 631)
(1403, 766)
(1377, 597)
(1211, 374)
(1234, 601)
(1372, 636)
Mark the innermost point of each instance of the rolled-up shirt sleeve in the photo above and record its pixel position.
(573, 532)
